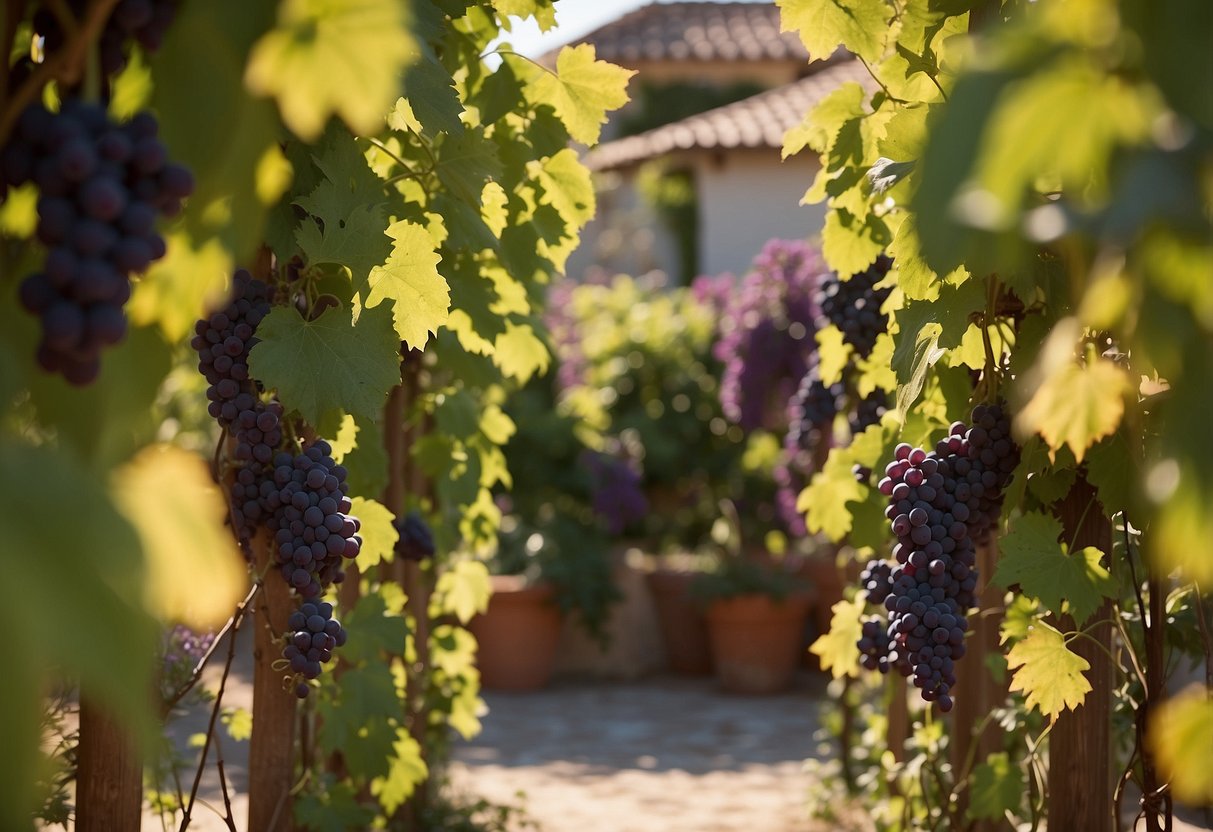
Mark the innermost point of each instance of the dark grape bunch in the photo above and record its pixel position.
(853, 305)
(314, 531)
(312, 636)
(416, 539)
(812, 410)
(868, 411)
(941, 505)
(143, 21)
(101, 188)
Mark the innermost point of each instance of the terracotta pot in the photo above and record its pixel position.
(517, 636)
(756, 641)
(684, 628)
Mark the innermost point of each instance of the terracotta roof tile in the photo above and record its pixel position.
(696, 31)
(755, 122)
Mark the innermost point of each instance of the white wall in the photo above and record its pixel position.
(748, 197)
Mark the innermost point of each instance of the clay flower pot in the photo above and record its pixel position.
(517, 636)
(681, 619)
(756, 641)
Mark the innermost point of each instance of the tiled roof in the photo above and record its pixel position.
(755, 122)
(697, 32)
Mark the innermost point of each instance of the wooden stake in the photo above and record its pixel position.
(109, 777)
(1080, 752)
(272, 745)
(977, 692)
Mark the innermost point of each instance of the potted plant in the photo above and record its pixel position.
(756, 614)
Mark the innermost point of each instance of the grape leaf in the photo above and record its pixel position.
(178, 289)
(406, 771)
(432, 98)
(463, 590)
(824, 24)
(519, 352)
(850, 244)
(1033, 558)
(581, 91)
(542, 10)
(356, 241)
(465, 163)
(374, 630)
(833, 354)
(378, 534)
(1113, 468)
(331, 365)
(825, 499)
(420, 296)
(567, 188)
(239, 723)
(997, 787)
(821, 126)
(1077, 405)
(1047, 672)
(1180, 735)
(837, 649)
(324, 58)
(195, 573)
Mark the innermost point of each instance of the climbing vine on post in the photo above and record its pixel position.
(1033, 170)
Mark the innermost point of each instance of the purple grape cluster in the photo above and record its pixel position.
(314, 531)
(812, 410)
(766, 340)
(853, 305)
(941, 505)
(223, 341)
(615, 490)
(313, 634)
(144, 21)
(416, 538)
(873, 644)
(868, 411)
(101, 188)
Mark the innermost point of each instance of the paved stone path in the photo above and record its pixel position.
(665, 754)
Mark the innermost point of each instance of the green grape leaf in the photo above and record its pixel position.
(1180, 735)
(378, 534)
(499, 94)
(825, 24)
(542, 10)
(1033, 558)
(356, 241)
(519, 353)
(467, 161)
(432, 99)
(1113, 469)
(850, 244)
(833, 354)
(998, 786)
(463, 590)
(367, 460)
(324, 58)
(582, 91)
(336, 807)
(331, 365)
(373, 631)
(456, 414)
(837, 649)
(421, 298)
(1048, 673)
(1077, 405)
(346, 183)
(823, 123)
(406, 772)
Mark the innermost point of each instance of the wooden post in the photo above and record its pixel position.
(1080, 752)
(977, 692)
(109, 777)
(272, 745)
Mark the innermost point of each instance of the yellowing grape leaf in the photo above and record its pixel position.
(519, 353)
(581, 91)
(324, 57)
(850, 244)
(833, 354)
(406, 771)
(195, 573)
(463, 590)
(1047, 672)
(1180, 734)
(421, 298)
(177, 290)
(837, 649)
(543, 12)
(823, 122)
(1077, 405)
(825, 24)
(824, 501)
(332, 364)
(378, 534)
(1033, 558)
(567, 187)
